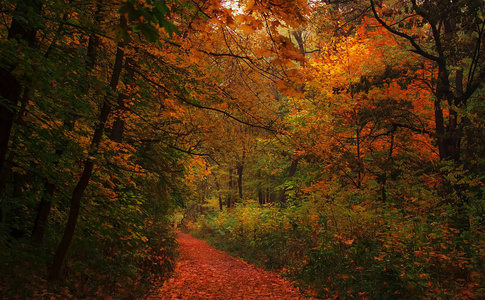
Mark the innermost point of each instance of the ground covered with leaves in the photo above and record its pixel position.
(206, 273)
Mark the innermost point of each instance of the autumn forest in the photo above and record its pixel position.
(339, 144)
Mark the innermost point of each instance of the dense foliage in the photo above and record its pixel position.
(340, 142)
(376, 189)
(103, 108)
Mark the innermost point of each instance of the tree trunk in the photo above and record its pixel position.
(9, 90)
(440, 129)
(360, 165)
(298, 35)
(442, 133)
(260, 197)
(448, 139)
(43, 212)
(6, 171)
(93, 43)
(239, 170)
(221, 203)
(20, 29)
(8, 163)
(448, 136)
(259, 188)
(119, 122)
(86, 174)
(202, 191)
(282, 193)
(40, 224)
(229, 194)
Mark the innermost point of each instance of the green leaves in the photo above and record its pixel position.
(147, 18)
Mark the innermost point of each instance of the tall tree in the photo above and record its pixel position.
(449, 34)
(22, 31)
(83, 182)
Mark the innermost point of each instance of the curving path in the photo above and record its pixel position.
(206, 273)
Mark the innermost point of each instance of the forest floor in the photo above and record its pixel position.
(204, 272)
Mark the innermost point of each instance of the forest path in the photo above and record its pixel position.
(206, 273)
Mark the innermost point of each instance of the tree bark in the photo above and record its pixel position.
(119, 123)
(221, 203)
(40, 223)
(86, 174)
(293, 167)
(93, 43)
(259, 188)
(239, 170)
(43, 212)
(229, 194)
(448, 137)
(10, 87)
(360, 166)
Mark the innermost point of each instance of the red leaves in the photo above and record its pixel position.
(206, 273)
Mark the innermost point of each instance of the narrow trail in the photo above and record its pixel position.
(206, 273)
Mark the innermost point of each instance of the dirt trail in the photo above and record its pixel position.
(206, 273)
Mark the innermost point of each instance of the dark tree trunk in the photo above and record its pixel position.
(119, 122)
(19, 179)
(221, 203)
(268, 195)
(86, 174)
(384, 176)
(5, 172)
(440, 129)
(239, 170)
(282, 193)
(72, 220)
(19, 182)
(298, 35)
(43, 212)
(92, 51)
(442, 133)
(118, 128)
(259, 188)
(202, 189)
(260, 197)
(272, 197)
(10, 91)
(40, 224)
(448, 137)
(20, 29)
(229, 194)
(293, 167)
(23, 23)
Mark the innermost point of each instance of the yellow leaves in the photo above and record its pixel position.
(249, 29)
(289, 89)
(194, 57)
(248, 23)
(263, 52)
(249, 5)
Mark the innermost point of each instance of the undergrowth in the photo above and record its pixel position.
(355, 250)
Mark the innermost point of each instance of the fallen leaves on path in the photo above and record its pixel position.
(206, 273)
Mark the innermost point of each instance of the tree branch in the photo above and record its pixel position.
(186, 101)
(417, 48)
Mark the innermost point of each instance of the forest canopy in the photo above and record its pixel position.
(339, 142)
